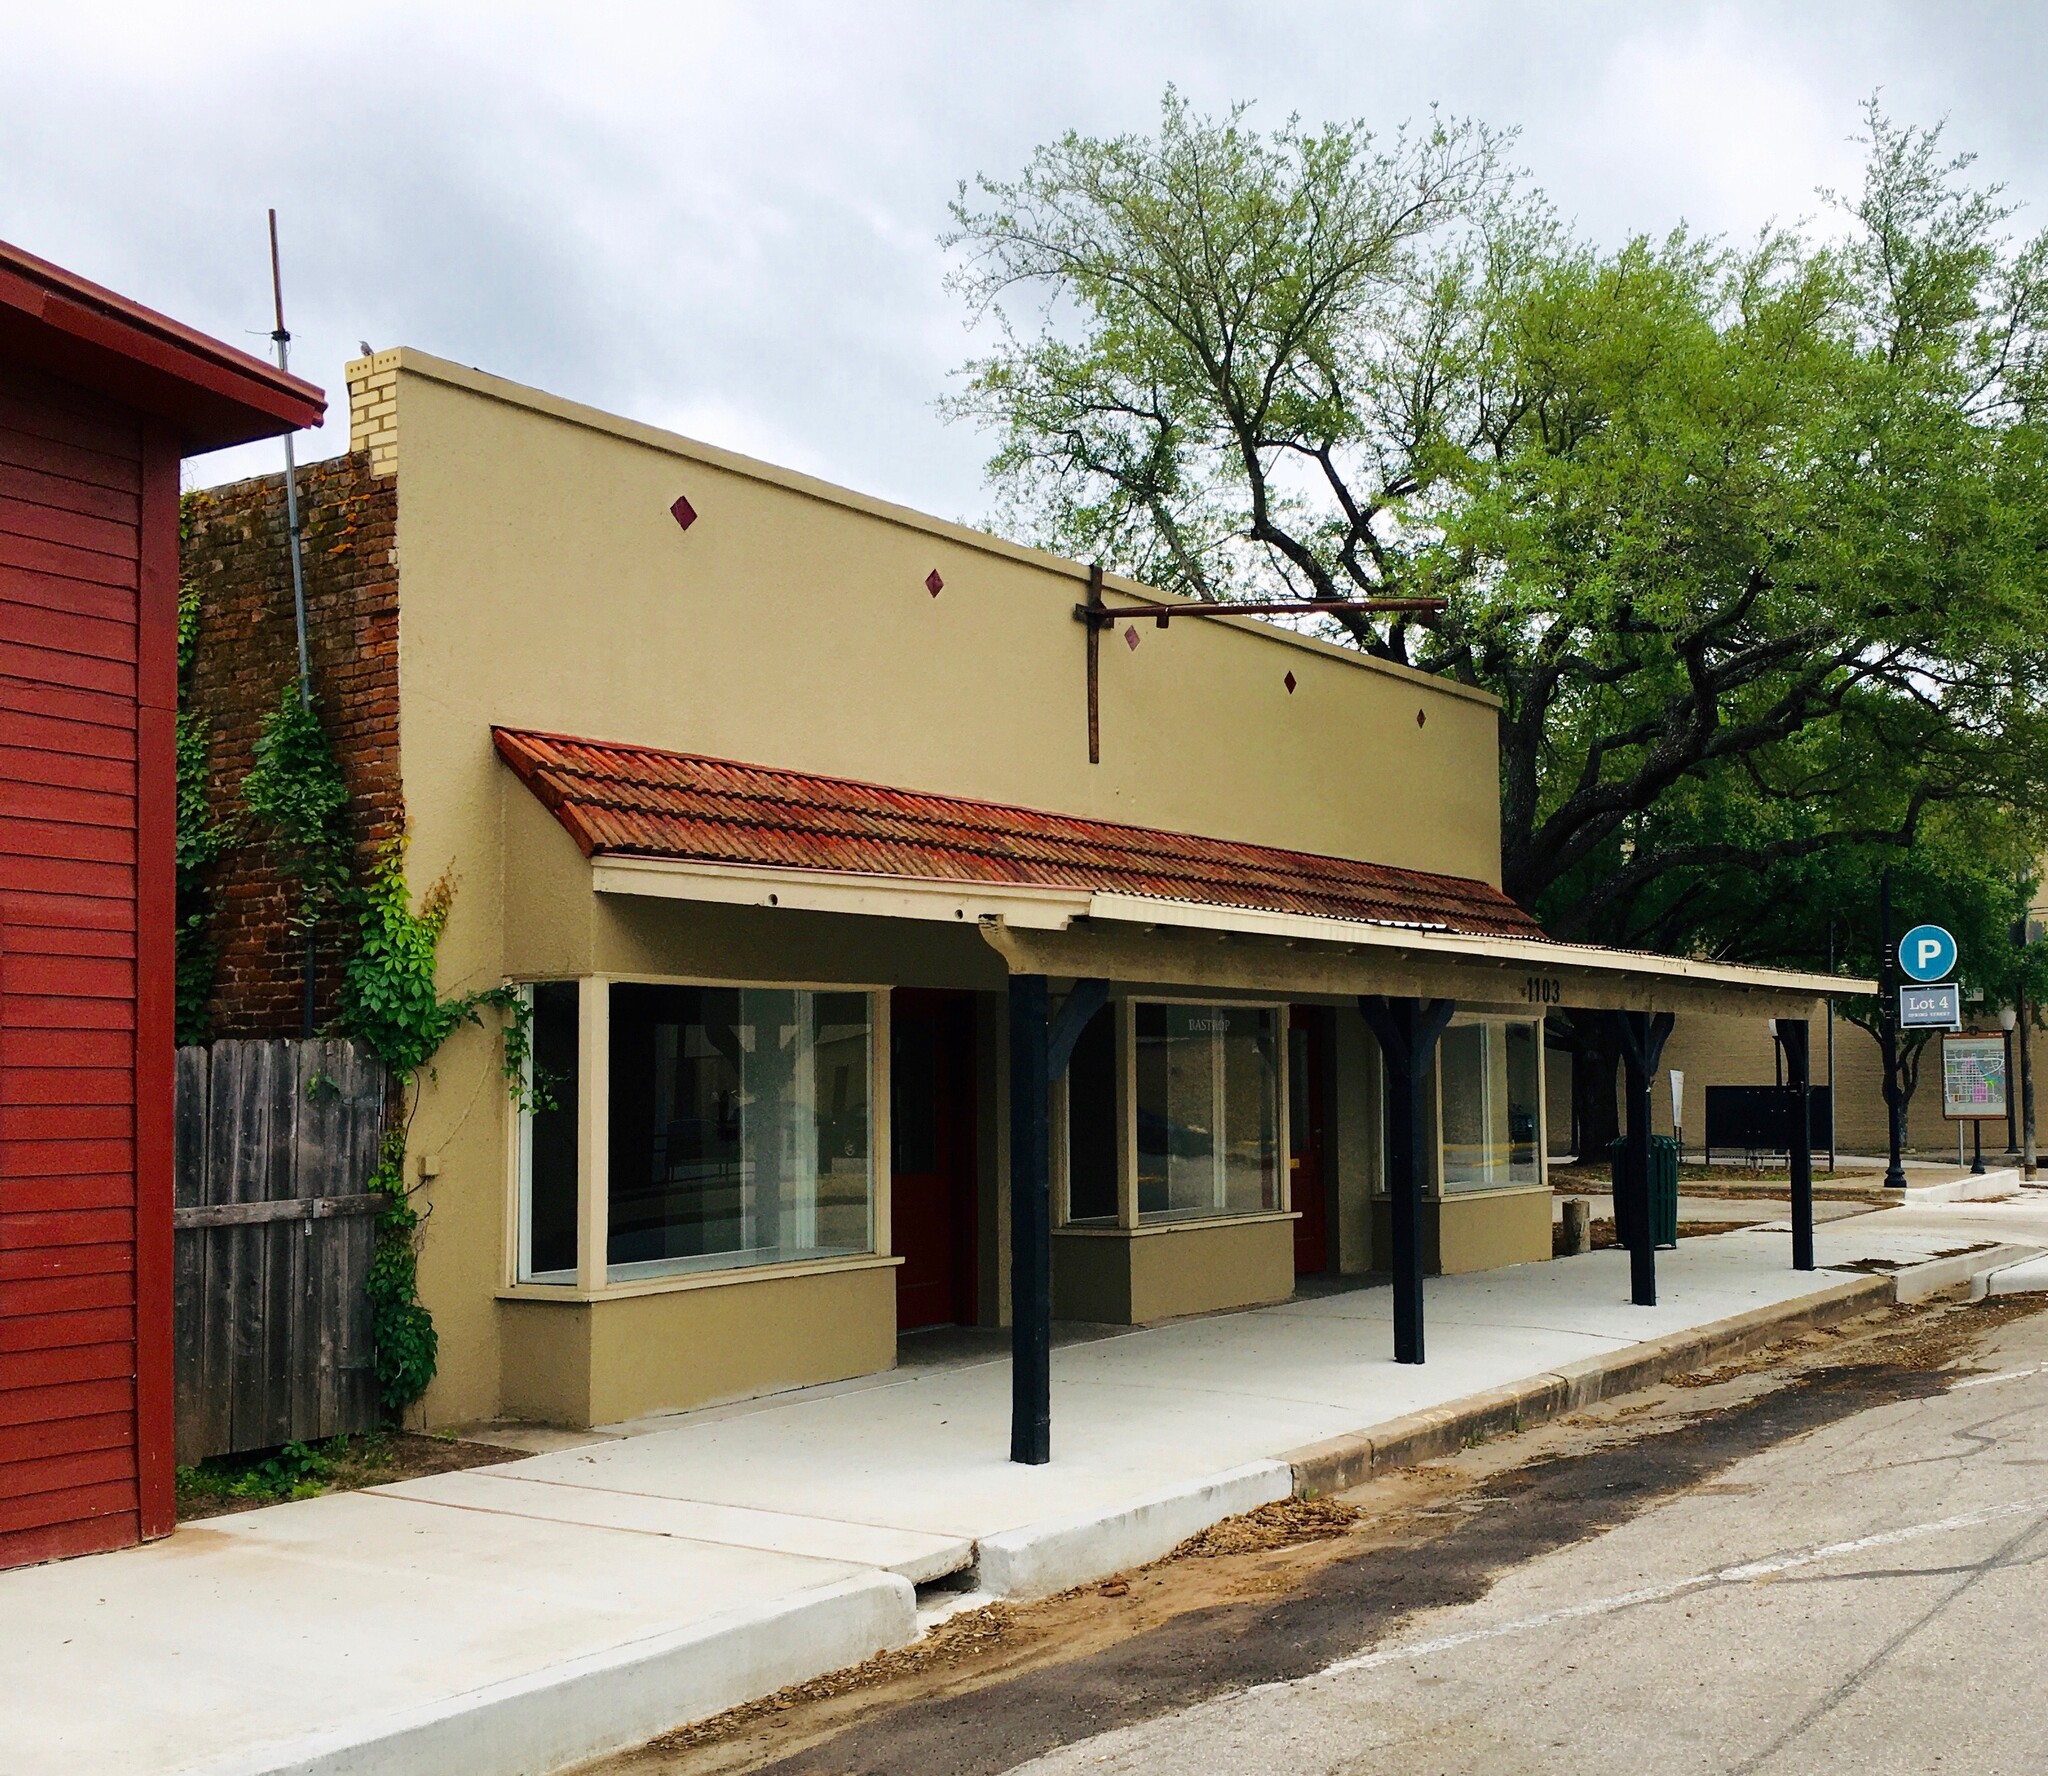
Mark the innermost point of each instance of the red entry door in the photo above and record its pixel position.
(1308, 1175)
(933, 1153)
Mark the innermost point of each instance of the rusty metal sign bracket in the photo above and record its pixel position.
(1096, 617)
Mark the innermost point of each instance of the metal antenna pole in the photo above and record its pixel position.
(282, 339)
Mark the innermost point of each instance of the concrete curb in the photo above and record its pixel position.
(1059, 1552)
(1919, 1281)
(2012, 1276)
(1336, 1463)
(608, 1701)
(2005, 1181)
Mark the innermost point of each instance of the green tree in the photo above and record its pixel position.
(1748, 541)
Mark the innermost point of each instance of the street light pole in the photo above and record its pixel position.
(2026, 1092)
(2006, 1020)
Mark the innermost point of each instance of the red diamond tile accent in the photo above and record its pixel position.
(683, 512)
(1420, 717)
(933, 584)
(1131, 639)
(1288, 681)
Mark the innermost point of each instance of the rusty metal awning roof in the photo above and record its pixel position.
(1060, 895)
(636, 801)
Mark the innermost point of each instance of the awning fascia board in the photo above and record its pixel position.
(1128, 937)
(840, 891)
(1509, 973)
(1537, 955)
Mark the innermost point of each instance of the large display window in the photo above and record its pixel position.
(1208, 1110)
(1490, 1077)
(739, 1128)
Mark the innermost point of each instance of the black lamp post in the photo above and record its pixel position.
(2006, 1020)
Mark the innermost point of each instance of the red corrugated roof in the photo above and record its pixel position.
(637, 801)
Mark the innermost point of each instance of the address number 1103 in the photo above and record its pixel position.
(1543, 989)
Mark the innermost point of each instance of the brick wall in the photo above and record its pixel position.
(236, 555)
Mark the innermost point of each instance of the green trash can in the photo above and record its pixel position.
(1663, 1190)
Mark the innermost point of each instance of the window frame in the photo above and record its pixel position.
(522, 1155)
(593, 1140)
(1438, 1187)
(1433, 1186)
(1125, 1002)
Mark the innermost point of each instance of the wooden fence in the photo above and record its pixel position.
(275, 1142)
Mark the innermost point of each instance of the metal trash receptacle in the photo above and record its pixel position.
(1663, 1190)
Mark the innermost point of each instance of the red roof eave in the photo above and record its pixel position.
(213, 393)
(635, 801)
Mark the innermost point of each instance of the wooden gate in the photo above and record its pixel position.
(275, 1142)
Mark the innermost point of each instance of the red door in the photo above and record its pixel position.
(932, 1172)
(1306, 1170)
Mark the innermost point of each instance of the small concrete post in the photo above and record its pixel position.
(1578, 1226)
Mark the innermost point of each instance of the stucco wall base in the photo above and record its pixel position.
(1480, 1232)
(1122, 1277)
(599, 1361)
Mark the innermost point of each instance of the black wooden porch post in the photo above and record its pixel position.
(1793, 1035)
(1030, 1225)
(1039, 1051)
(1407, 1030)
(1643, 1035)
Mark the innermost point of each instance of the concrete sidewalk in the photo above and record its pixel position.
(517, 1618)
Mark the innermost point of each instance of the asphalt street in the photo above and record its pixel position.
(1864, 1595)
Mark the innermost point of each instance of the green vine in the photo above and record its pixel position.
(389, 997)
(296, 789)
(407, 1346)
(390, 1000)
(296, 796)
(201, 839)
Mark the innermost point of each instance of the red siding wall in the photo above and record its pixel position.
(88, 565)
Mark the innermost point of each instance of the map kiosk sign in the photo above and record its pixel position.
(1973, 1083)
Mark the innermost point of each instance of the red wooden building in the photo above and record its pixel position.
(99, 399)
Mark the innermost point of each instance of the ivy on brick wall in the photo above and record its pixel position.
(390, 998)
(296, 793)
(201, 839)
(295, 802)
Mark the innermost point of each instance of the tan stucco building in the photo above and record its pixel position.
(770, 795)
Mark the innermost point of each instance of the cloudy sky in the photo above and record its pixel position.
(723, 218)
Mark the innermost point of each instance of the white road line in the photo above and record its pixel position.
(1747, 1573)
(1981, 1381)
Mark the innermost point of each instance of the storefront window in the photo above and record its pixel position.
(1492, 1109)
(1091, 1121)
(1208, 1110)
(739, 1127)
(547, 1138)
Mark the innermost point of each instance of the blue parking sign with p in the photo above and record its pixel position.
(1927, 953)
